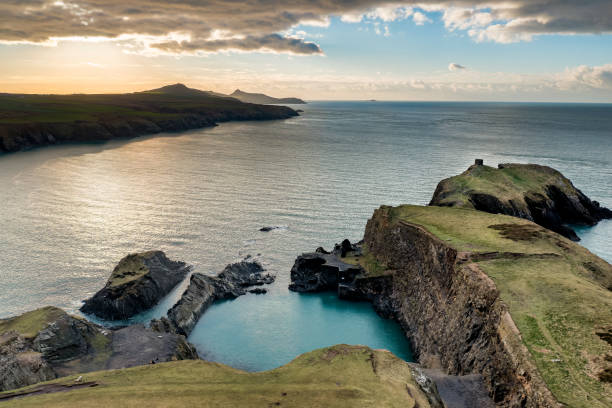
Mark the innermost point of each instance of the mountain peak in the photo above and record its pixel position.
(173, 88)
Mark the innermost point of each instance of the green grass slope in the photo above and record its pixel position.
(558, 294)
(511, 182)
(29, 324)
(338, 376)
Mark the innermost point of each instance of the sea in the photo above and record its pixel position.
(69, 213)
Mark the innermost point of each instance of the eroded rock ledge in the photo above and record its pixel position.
(136, 284)
(235, 280)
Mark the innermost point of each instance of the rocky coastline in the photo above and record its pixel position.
(487, 301)
(452, 312)
(48, 343)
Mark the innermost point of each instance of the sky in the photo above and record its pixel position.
(495, 50)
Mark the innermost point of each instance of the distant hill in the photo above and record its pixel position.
(28, 121)
(183, 90)
(262, 99)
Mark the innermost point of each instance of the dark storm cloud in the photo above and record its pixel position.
(247, 25)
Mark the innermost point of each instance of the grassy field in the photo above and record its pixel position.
(338, 376)
(30, 323)
(129, 268)
(558, 294)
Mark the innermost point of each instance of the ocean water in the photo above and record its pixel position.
(69, 213)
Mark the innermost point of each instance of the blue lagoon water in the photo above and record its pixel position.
(70, 213)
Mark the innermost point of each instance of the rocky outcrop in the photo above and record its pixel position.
(235, 280)
(20, 364)
(318, 271)
(136, 284)
(537, 193)
(49, 343)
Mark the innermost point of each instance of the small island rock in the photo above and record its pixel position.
(136, 284)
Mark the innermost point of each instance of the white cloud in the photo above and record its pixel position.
(420, 18)
(583, 76)
(455, 67)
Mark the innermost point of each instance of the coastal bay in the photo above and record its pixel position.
(75, 210)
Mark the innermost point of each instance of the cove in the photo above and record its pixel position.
(257, 333)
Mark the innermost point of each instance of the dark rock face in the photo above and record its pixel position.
(318, 272)
(20, 364)
(136, 284)
(235, 280)
(452, 313)
(67, 345)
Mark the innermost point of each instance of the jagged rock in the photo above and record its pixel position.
(321, 270)
(537, 193)
(20, 365)
(258, 291)
(203, 290)
(136, 284)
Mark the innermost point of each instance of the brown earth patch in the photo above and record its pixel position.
(46, 389)
(518, 232)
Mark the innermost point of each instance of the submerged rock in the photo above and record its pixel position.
(136, 284)
(537, 193)
(203, 290)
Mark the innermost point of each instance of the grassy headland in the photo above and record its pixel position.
(338, 376)
(32, 120)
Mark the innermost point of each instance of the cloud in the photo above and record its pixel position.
(257, 25)
(420, 18)
(583, 76)
(266, 43)
(455, 67)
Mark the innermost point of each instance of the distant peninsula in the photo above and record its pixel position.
(263, 99)
(28, 121)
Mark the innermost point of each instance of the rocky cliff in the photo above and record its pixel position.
(537, 193)
(203, 290)
(490, 295)
(48, 343)
(136, 284)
